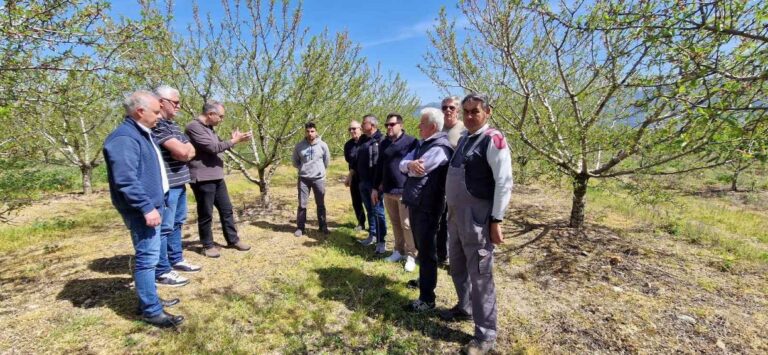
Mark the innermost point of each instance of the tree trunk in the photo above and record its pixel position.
(579, 193)
(264, 198)
(735, 181)
(86, 171)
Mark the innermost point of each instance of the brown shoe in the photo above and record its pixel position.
(240, 246)
(212, 252)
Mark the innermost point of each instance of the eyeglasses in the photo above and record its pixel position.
(353, 129)
(445, 108)
(390, 124)
(175, 103)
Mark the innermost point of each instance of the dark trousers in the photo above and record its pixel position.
(357, 201)
(442, 238)
(209, 194)
(424, 225)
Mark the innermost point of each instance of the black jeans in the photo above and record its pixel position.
(442, 238)
(424, 225)
(357, 201)
(209, 194)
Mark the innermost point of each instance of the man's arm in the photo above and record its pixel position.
(206, 142)
(179, 151)
(295, 158)
(500, 161)
(326, 155)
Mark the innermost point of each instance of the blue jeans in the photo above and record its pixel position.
(174, 216)
(146, 243)
(377, 222)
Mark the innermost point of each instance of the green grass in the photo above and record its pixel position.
(735, 234)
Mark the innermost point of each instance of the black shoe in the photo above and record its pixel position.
(419, 306)
(412, 284)
(165, 303)
(164, 320)
(325, 231)
(455, 315)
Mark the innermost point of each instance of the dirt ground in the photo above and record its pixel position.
(613, 287)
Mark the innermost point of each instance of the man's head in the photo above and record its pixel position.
(394, 125)
(450, 107)
(355, 130)
(477, 110)
(144, 107)
(213, 111)
(369, 124)
(169, 101)
(431, 122)
(310, 131)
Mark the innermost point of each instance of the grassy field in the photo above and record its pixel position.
(687, 273)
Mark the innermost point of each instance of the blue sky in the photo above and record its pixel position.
(392, 33)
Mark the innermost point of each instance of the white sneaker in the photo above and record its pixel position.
(359, 228)
(410, 264)
(371, 240)
(298, 233)
(172, 279)
(395, 257)
(381, 248)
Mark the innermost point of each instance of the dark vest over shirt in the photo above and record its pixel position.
(477, 173)
(428, 192)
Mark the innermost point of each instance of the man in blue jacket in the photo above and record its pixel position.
(138, 185)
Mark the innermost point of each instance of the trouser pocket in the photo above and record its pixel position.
(485, 261)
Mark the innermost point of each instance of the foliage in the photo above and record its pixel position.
(604, 89)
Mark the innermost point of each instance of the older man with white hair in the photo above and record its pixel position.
(424, 194)
(177, 151)
(137, 187)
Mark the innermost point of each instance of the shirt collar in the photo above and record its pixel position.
(479, 131)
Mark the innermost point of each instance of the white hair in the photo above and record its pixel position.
(452, 98)
(433, 116)
(166, 91)
(136, 100)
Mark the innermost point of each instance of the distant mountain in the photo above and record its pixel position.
(429, 104)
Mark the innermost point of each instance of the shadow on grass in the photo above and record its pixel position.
(113, 265)
(112, 292)
(373, 296)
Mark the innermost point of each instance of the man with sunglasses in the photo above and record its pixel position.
(177, 151)
(353, 180)
(367, 159)
(388, 181)
(454, 128)
(478, 189)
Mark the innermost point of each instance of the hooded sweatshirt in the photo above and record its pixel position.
(311, 159)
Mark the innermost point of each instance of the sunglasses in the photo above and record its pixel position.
(445, 108)
(353, 129)
(391, 124)
(175, 103)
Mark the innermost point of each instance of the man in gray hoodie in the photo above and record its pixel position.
(311, 156)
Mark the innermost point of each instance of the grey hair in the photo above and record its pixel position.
(371, 118)
(164, 91)
(136, 100)
(434, 116)
(478, 97)
(452, 98)
(212, 106)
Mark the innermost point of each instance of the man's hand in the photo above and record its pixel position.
(375, 197)
(417, 167)
(348, 180)
(496, 236)
(238, 136)
(153, 218)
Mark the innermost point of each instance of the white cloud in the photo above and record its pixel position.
(416, 30)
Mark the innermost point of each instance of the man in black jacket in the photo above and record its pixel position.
(367, 158)
(353, 181)
(424, 194)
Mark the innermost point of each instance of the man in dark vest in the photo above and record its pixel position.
(424, 194)
(478, 189)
